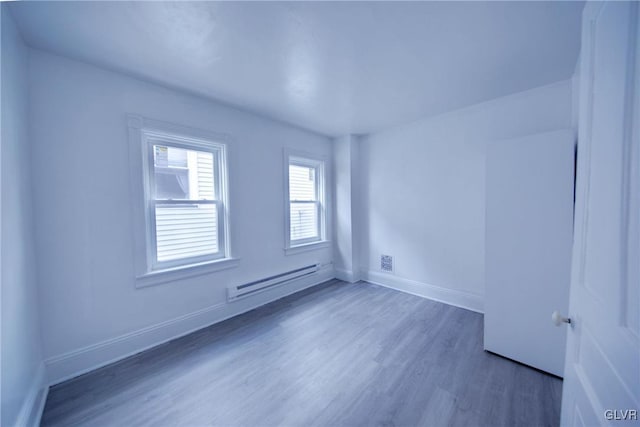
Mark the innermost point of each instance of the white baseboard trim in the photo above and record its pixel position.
(77, 362)
(346, 275)
(453, 297)
(31, 411)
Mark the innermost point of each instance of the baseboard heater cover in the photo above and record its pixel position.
(240, 291)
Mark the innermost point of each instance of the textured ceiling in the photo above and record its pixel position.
(332, 67)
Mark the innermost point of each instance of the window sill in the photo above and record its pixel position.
(158, 277)
(307, 247)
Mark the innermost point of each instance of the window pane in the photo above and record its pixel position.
(183, 174)
(185, 231)
(302, 183)
(304, 221)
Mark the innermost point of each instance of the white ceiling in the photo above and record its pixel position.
(332, 67)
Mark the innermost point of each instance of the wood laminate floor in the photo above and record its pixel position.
(337, 354)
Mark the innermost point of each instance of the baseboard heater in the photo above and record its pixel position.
(236, 292)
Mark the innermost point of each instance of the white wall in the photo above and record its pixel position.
(84, 225)
(22, 369)
(346, 230)
(575, 99)
(423, 194)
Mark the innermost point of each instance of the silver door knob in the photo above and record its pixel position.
(558, 319)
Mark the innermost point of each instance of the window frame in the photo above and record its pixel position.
(151, 138)
(143, 135)
(320, 164)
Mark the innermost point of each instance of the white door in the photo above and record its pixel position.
(602, 370)
(529, 224)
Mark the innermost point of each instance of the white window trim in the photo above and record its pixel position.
(217, 150)
(306, 247)
(147, 271)
(322, 163)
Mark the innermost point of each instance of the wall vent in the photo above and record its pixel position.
(386, 263)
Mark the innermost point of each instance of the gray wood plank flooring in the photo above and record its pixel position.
(337, 354)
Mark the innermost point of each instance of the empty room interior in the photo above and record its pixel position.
(320, 213)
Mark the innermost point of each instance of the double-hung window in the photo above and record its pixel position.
(306, 215)
(185, 196)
